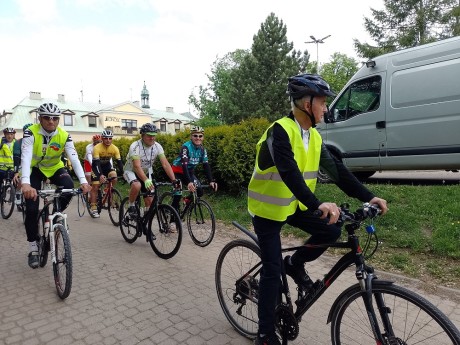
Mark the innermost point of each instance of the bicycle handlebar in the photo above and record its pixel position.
(58, 191)
(367, 211)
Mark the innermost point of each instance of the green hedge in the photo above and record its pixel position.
(231, 151)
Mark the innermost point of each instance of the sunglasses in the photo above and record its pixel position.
(197, 136)
(107, 138)
(47, 118)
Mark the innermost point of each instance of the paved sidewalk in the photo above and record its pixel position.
(124, 294)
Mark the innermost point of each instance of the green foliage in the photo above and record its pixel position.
(339, 71)
(408, 23)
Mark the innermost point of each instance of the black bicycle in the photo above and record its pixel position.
(372, 311)
(7, 194)
(53, 234)
(201, 222)
(164, 234)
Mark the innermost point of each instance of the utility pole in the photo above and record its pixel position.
(317, 41)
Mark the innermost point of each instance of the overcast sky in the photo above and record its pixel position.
(107, 48)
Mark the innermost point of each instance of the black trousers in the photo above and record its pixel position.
(268, 233)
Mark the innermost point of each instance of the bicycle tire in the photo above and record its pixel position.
(128, 226)
(201, 223)
(43, 238)
(413, 319)
(62, 268)
(165, 242)
(7, 203)
(113, 206)
(234, 261)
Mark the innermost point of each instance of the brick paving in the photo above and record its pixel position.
(124, 294)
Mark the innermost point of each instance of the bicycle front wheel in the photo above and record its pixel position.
(165, 234)
(201, 223)
(128, 226)
(402, 316)
(62, 268)
(7, 203)
(237, 284)
(114, 203)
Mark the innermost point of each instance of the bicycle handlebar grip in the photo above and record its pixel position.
(317, 213)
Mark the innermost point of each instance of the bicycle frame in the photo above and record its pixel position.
(364, 275)
(50, 234)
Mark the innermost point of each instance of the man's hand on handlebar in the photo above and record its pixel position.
(29, 192)
(330, 210)
(213, 185)
(382, 203)
(191, 187)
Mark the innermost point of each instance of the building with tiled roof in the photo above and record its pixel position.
(83, 119)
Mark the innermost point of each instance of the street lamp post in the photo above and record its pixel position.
(317, 41)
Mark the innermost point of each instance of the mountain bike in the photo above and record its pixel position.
(164, 234)
(201, 222)
(53, 233)
(8, 194)
(108, 198)
(373, 311)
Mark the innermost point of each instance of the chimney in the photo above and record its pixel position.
(35, 95)
(61, 98)
(170, 109)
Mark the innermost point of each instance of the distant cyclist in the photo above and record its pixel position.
(139, 162)
(17, 163)
(88, 161)
(42, 148)
(103, 155)
(6, 152)
(191, 154)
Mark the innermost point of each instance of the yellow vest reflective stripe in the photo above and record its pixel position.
(268, 196)
(49, 160)
(6, 156)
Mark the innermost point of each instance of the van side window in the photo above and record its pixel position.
(360, 97)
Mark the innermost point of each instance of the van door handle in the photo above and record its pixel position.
(380, 124)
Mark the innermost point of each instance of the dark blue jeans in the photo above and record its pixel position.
(268, 233)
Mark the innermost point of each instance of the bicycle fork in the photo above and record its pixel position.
(52, 233)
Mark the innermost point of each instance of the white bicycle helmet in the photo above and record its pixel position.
(49, 109)
(107, 133)
(196, 129)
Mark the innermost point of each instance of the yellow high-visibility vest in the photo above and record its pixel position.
(268, 196)
(6, 156)
(48, 160)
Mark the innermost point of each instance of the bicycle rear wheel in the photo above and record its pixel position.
(165, 233)
(128, 226)
(201, 223)
(114, 203)
(62, 268)
(7, 202)
(411, 318)
(237, 296)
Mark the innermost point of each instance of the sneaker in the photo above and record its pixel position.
(132, 212)
(267, 340)
(94, 214)
(33, 259)
(298, 273)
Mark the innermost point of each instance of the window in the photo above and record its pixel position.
(68, 120)
(163, 126)
(177, 126)
(92, 121)
(129, 125)
(361, 97)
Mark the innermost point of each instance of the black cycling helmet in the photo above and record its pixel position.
(308, 84)
(149, 128)
(49, 109)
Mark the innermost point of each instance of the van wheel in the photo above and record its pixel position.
(363, 175)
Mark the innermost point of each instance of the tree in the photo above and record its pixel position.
(407, 23)
(339, 70)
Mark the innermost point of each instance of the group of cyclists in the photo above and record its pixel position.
(37, 158)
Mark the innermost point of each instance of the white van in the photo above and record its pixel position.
(400, 111)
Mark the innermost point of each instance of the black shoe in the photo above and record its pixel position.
(33, 259)
(298, 274)
(132, 212)
(267, 340)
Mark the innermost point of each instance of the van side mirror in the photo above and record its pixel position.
(328, 117)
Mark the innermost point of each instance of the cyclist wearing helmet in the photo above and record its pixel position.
(88, 161)
(17, 163)
(103, 155)
(42, 148)
(6, 152)
(191, 154)
(139, 162)
(281, 191)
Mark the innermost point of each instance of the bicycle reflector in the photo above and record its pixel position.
(370, 229)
